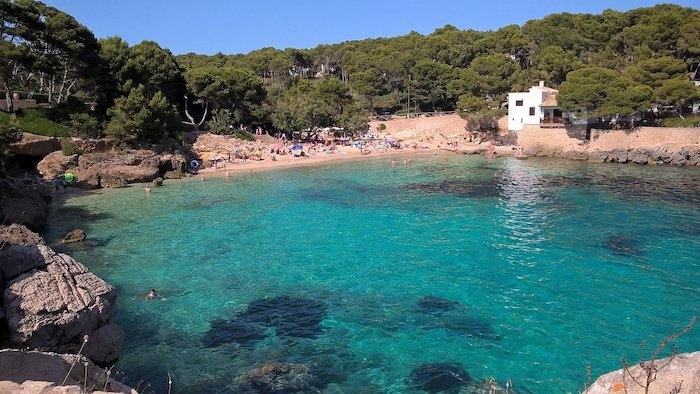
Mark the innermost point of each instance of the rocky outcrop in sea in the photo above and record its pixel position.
(51, 302)
(24, 202)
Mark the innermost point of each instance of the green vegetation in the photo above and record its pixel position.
(690, 121)
(615, 62)
(68, 147)
(35, 122)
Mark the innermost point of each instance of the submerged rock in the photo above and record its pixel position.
(243, 333)
(622, 245)
(77, 235)
(461, 188)
(439, 377)
(467, 325)
(433, 304)
(290, 316)
(277, 377)
(158, 182)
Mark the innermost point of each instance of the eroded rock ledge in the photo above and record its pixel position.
(681, 375)
(24, 371)
(50, 302)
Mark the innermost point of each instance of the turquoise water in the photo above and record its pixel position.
(536, 268)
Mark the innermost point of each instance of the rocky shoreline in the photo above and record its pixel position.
(54, 313)
(685, 156)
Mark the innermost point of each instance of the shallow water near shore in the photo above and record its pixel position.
(517, 270)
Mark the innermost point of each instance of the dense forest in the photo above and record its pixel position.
(615, 62)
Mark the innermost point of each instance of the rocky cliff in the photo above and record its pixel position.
(24, 203)
(51, 302)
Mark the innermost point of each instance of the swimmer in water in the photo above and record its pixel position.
(151, 295)
(393, 162)
(405, 162)
(228, 175)
(202, 178)
(147, 189)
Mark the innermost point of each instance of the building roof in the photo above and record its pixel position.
(551, 101)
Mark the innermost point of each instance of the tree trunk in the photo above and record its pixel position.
(8, 98)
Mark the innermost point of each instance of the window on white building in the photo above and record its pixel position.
(532, 111)
(518, 103)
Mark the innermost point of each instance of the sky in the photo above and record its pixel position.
(239, 26)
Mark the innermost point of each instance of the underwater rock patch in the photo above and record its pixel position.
(460, 188)
(222, 332)
(439, 377)
(290, 316)
(276, 377)
(434, 304)
(622, 245)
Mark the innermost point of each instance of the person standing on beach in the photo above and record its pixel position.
(228, 175)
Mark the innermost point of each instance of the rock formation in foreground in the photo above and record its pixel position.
(50, 302)
(24, 203)
(681, 375)
(24, 371)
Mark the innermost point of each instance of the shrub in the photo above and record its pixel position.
(9, 132)
(381, 127)
(137, 117)
(221, 122)
(35, 121)
(68, 147)
(689, 121)
(84, 126)
(244, 135)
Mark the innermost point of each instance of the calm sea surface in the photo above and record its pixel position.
(516, 270)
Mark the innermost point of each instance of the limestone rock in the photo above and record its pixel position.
(16, 234)
(24, 371)
(52, 301)
(113, 182)
(640, 158)
(55, 164)
(683, 371)
(158, 182)
(77, 235)
(597, 156)
(24, 203)
(35, 145)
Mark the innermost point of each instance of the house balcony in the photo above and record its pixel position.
(553, 122)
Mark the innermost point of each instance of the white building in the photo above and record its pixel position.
(534, 107)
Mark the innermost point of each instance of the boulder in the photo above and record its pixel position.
(34, 145)
(52, 302)
(597, 156)
(77, 235)
(23, 371)
(158, 182)
(174, 174)
(16, 234)
(678, 158)
(681, 374)
(55, 164)
(24, 203)
(112, 182)
(94, 145)
(640, 158)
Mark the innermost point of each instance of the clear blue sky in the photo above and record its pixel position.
(239, 26)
